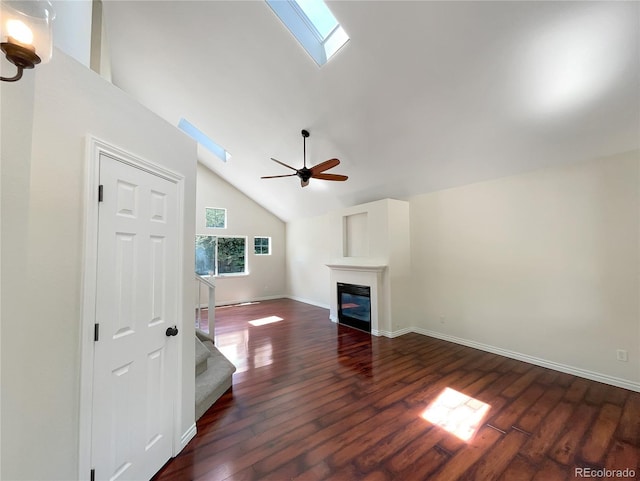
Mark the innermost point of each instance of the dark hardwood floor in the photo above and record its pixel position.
(312, 400)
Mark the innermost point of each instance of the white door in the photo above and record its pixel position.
(135, 360)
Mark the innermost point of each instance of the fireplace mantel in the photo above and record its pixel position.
(358, 267)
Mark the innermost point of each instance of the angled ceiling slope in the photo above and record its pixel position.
(425, 96)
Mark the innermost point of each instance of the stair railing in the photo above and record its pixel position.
(211, 305)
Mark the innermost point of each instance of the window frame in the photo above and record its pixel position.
(216, 258)
(268, 238)
(303, 28)
(206, 220)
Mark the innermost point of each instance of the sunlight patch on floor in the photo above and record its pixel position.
(265, 320)
(457, 413)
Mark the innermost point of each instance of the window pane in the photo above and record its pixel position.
(319, 15)
(262, 245)
(216, 218)
(204, 140)
(205, 254)
(231, 255)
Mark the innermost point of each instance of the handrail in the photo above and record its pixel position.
(211, 305)
(206, 280)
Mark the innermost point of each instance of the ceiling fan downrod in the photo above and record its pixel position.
(305, 134)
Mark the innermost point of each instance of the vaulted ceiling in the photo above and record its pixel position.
(425, 95)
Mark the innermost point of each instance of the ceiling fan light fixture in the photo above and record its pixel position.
(316, 171)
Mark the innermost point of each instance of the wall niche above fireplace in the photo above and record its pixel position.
(356, 235)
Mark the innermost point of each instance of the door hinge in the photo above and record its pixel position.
(93, 475)
(100, 193)
(96, 332)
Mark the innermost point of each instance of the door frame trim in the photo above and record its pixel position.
(94, 149)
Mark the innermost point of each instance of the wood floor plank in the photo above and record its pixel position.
(379, 453)
(468, 456)
(325, 435)
(377, 476)
(319, 472)
(565, 449)
(544, 437)
(522, 383)
(629, 428)
(326, 449)
(534, 415)
(596, 393)
(491, 466)
(512, 412)
(423, 466)
(622, 456)
(421, 448)
(518, 470)
(600, 435)
(577, 390)
(550, 471)
(314, 401)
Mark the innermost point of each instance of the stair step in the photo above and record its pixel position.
(202, 354)
(214, 382)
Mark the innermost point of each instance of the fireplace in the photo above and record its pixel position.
(354, 306)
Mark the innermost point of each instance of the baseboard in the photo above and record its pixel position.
(188, 436)
(392, 334)
(593, 376)
(308, 301)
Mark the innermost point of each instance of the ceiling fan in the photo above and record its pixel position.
(315, 172)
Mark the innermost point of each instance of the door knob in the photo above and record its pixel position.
(171, 331)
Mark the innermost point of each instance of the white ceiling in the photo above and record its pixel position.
(425, 96)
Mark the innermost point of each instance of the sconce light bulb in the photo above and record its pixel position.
(19, 31)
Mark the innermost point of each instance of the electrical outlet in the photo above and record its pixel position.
(621, 355)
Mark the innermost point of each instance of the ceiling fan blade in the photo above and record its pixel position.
(330, 177)
(282, 163)
(276, 176)
(326, 165)
(304, 183)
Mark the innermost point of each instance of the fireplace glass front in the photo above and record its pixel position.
(354, 306)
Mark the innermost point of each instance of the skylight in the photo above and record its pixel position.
(313, 25)
(200, 137)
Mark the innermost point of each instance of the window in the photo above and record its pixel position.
(216, 218)
(221, 255)
(202, 138)
(262, 246)
(313, 25)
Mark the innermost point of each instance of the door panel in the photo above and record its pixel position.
(135, 362)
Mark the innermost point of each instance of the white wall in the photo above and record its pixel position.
(308, 250)
(72, 28)
(41, 333)
(245, 217)
(543, 264)
(16, 116)
(400, 271)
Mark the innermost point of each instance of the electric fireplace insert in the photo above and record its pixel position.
(354, 306)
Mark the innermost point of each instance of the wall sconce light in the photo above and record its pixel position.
(25, 33)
